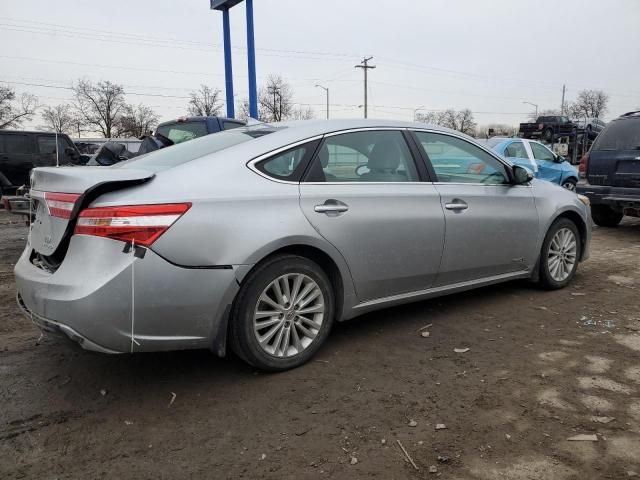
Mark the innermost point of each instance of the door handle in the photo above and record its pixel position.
(456, 205)
(330, 208)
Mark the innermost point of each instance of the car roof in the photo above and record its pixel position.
(31, 132)
(319, 127)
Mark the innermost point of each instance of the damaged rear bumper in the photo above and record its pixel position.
(59, 329)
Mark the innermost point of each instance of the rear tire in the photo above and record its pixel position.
(273, 328)
(560, 254)
(548, 135)
(605, 216)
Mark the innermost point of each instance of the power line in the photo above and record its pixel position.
(171, 40)
(71, 88)
(122, 38)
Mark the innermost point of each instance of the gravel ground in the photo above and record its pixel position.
(541, 367)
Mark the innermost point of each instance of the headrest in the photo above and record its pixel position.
(384, 156)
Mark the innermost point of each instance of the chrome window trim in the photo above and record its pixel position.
(251, 163)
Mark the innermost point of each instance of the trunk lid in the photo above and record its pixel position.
(614, 159)
(73, 188)
(616, 168)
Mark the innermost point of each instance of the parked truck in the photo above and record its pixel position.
(548, 128)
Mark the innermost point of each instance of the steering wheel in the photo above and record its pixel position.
(362, 169)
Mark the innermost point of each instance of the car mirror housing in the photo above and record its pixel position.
(521, 175)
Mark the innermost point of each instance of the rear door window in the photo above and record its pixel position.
(17, 144)
(620, 135)
(367, 156)
(516, 150)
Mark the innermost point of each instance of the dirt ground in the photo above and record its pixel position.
(541, 367)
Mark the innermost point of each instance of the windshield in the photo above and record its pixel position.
(179, 132)
(185, 152)
(620, 135)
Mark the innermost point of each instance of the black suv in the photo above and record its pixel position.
(21, 151)
(610, 171)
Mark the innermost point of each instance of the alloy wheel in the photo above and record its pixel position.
(562, 255)
(288, 315)
(569, 186)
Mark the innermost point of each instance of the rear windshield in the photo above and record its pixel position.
(179, 132)
(620, 135)
(178, 154)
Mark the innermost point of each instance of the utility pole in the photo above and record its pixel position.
(327, 92)
(364, 65)
(564, 88)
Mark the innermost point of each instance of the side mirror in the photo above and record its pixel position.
(521, 175)
(559, 159)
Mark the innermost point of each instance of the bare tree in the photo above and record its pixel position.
(590, 103)
(465, 122)
(432, 118)
(15, 111)
(303, 112)
(498, 129)
(205, 102)
(58, 118)
(242, 110)
(275, 99)
(136, 121)
(549, 112)
(461, 121)
(99, 105)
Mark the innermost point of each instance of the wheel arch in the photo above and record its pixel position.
(341, 282)
(579, 222)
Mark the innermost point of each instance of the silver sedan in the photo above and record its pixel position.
(259, 238)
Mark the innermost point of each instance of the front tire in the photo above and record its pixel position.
(282, 314)
(560, 254)
(570, 184)
(605, 216)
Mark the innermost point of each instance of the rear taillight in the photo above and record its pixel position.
(140, 224)
(60, 204)
(540, 126)
(584, 164)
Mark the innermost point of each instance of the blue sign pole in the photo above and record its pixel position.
(228, 71)
(251, 59)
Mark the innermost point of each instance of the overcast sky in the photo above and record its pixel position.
(488, 56)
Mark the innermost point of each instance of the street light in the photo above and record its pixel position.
(327, 91)
(529, 103)
(415, 112)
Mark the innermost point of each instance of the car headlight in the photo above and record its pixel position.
(584, 200)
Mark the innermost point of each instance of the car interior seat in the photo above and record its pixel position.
(383, 163)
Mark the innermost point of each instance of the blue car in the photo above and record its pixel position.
(533, 155)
